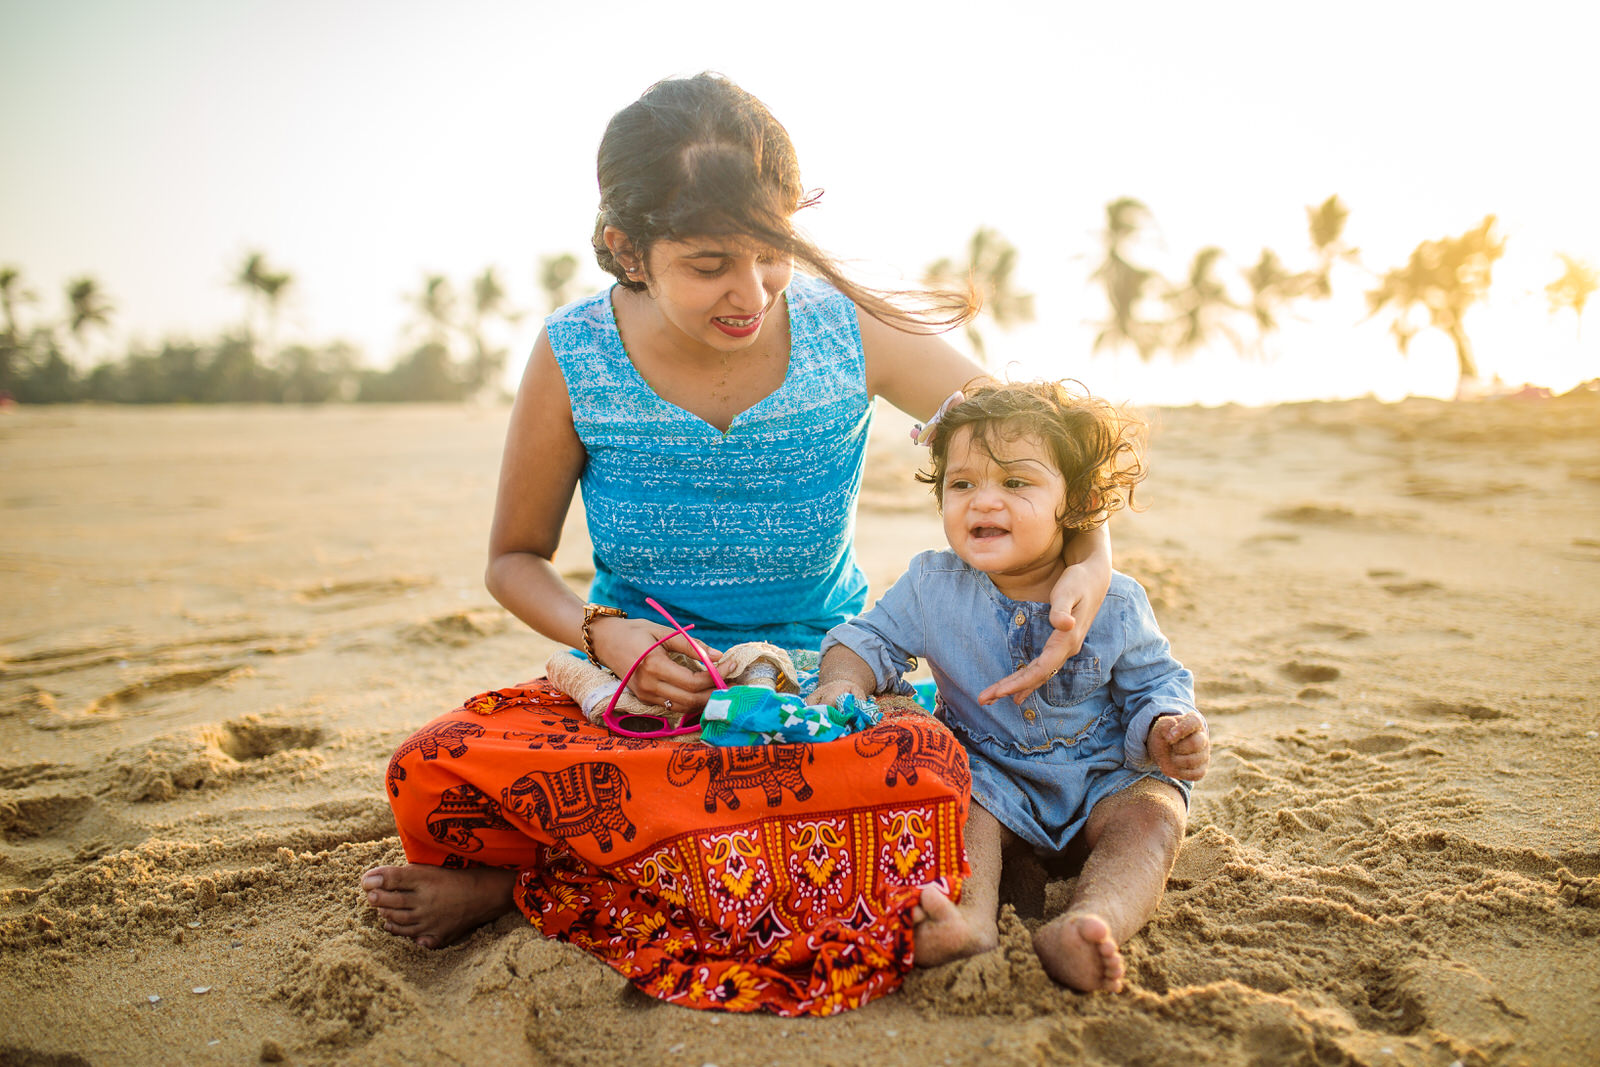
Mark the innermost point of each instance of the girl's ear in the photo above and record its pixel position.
(622, 249)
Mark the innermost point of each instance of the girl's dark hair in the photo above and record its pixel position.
(1097, 446)
(700, 157)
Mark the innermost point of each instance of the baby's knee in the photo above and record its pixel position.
(1150, 808)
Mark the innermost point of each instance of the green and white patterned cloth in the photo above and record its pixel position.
(754, 715)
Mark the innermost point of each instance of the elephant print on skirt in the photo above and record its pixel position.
(582, 798)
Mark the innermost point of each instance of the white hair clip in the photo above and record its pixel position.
(922, 433)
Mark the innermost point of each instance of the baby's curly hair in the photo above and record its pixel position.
(1097, 446)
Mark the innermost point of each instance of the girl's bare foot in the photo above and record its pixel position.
(944, 932)
(1077, 950)
(436, 906)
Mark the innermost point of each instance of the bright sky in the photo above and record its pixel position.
(362, 145)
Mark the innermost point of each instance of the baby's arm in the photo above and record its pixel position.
(1156, 693)
(842, 672)
(872, 651)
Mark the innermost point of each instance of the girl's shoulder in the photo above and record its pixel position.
(815, 307)
(806, 290)
(1128, 590)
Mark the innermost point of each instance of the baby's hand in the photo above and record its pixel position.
(1180, 745)
(830, 693)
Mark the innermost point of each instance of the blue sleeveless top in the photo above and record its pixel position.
(748, 534)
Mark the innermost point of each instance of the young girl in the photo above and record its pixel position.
(1103, 752)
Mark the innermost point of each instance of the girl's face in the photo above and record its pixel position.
(716, 292)
(1000, 512)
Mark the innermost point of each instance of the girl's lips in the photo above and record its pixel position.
(983, 533)
(739, 327)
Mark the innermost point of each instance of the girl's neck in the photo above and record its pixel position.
(1033, 584)
(712, 385)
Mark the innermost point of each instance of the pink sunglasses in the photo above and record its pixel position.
(642, 725)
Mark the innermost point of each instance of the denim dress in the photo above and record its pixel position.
(1039, 765)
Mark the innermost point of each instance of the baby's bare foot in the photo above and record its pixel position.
(436, 906)
(944, 932)
(1077, 950)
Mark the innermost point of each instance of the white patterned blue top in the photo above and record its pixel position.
(749, 534)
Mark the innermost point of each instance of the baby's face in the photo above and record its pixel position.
(1000, 510)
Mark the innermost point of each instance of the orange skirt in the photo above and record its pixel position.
(764, 878)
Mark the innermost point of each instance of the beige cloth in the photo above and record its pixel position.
(749, 663)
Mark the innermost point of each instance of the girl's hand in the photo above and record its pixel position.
(659, 679)
(1074, 602)
(830, 693)
(1180, 745)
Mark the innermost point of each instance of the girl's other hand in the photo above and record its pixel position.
(1180, 746)
(1074, 602)
(1061, 646)
(830, 693)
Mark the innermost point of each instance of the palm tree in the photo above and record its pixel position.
(1199, 304)
(1271, 286)
(556, 277)
(88, 307)
(1572, 290)
(12, 297)
(488, 303)
(1124, 283)
(436, 304)
(1446, 277)
(1326, 223)
(269, 287)
(991, 261)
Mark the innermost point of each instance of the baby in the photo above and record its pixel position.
(1101, 756)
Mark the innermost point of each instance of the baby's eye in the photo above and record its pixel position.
(959, 483)
(1016, 483)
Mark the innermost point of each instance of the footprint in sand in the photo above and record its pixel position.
(458, 629)
(176, 682)
(1389, 581)
(336, 596)
(40, 816)
(212, 755)
(1309, 672)
(1444, 709)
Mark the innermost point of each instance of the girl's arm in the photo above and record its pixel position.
(915, 373)
(538, 475)
(842, 671)
(1156, 695)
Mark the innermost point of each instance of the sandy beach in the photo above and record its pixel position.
(217, 623)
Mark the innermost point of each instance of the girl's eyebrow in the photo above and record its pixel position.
(1021, 461)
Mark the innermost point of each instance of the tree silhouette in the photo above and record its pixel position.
(1326, 223)
(12, 349)
(1272, 285)
(989, 269)
(1446, 277)
(1200, 305)
(488, 303)
(267, 288)
(1125, 284)
(556, 277)
(436, 306)
(87, 307)
(1577, 283)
